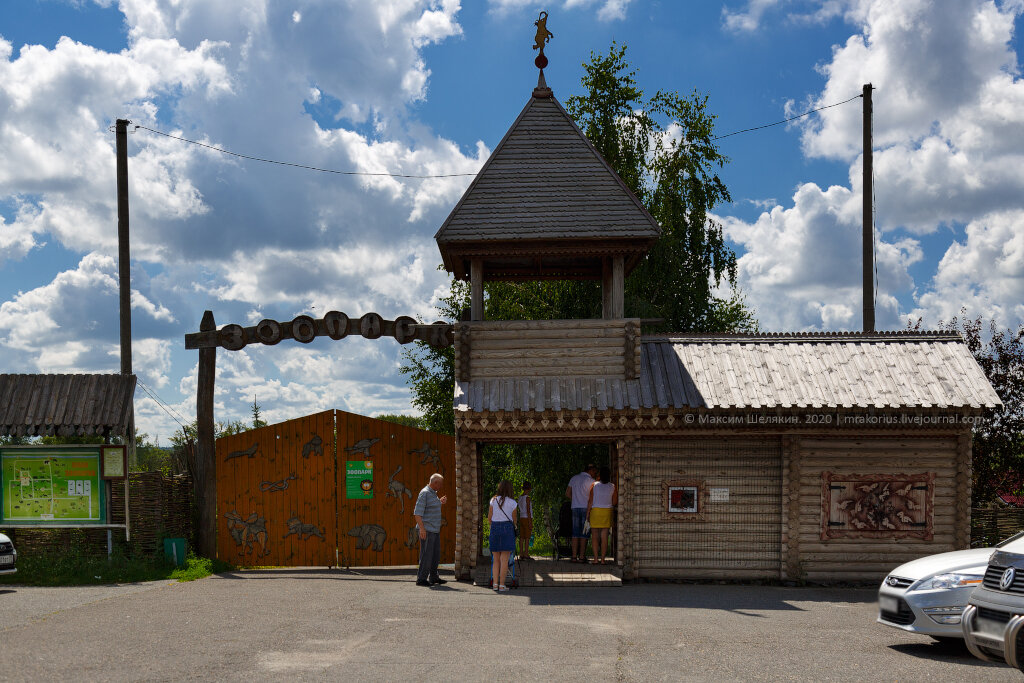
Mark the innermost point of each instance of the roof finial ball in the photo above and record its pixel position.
(539, 40)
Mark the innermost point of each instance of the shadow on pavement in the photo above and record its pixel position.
(954, 651)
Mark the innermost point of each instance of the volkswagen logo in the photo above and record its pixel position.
(892, 581)
(1006, 580)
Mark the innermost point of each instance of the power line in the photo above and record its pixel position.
(779, 123)
(444, 175)
(164, 406)
(286, 163)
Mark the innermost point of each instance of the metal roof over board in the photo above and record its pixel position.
(776, 371)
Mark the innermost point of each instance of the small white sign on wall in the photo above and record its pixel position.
(718, 495)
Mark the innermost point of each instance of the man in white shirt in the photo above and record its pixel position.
(578, 492)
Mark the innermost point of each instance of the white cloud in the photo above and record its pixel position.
(947, 152)
(802, 266)
(983, 273)
(749, 19)
(608, 10)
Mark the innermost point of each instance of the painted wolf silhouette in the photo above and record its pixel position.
(304, 531)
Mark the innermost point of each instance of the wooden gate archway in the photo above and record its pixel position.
(304, 329)
(283, 499)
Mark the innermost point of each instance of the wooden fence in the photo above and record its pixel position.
(991, 525)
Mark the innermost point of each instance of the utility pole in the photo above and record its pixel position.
(124, 267)
(869, 228)
(123, 251)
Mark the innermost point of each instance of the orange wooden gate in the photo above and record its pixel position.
(282, 501)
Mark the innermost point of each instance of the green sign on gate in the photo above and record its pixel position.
(358, 479)
(51, 485)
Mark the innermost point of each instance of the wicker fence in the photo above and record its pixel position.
(159, 507)
(991, 525)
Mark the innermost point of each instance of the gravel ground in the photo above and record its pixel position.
(377, 625)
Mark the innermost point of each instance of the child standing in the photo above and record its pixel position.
(525, 508)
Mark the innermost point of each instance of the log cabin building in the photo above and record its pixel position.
(805, 456)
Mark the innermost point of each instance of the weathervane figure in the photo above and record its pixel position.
(541, 39)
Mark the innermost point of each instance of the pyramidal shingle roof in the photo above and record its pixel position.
(545, 185)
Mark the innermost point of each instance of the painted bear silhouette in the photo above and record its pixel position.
(369, 534)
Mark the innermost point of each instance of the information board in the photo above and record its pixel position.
(51, 485)
(358, 479)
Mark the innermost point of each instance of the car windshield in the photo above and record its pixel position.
(1013, 544)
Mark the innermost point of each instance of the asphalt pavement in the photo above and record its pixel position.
(377, 625)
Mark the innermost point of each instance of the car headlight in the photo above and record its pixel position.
(946, 581)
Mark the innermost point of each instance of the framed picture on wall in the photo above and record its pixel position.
(682, 499)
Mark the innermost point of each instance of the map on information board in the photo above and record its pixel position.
(51, 486)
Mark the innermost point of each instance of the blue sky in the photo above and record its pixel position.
(429, 87)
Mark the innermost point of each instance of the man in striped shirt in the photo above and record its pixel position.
(428, 520)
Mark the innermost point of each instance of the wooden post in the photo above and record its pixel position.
(123, 251)
(124, 269)
(618, 288)
(868, 209)
(476, 289)
(206, 465)
(606, 288)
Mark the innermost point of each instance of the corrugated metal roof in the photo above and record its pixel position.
(545, 181)
(45, 405)
(761, 372)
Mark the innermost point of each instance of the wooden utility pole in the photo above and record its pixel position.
(124, 271)
(869, 228)
(123, 251)
(206, 463)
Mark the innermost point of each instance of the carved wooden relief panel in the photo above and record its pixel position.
(877, 505)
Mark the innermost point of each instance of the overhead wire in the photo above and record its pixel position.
(426, 176)
(792, 118)
(164, 406)
(287, 163)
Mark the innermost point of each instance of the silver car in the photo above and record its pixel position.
(8, 556)
(928, 595)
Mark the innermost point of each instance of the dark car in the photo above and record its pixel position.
(993, 622)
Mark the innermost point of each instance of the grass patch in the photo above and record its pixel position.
(75, 569)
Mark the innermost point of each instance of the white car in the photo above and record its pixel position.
(928, 595)
(8, 555)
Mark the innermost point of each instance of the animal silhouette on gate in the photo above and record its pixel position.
(369, 535)
(397, 489)
(429, 457)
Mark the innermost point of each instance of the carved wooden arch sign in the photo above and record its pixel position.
(335, 325)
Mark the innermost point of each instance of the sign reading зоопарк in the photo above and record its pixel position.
(358, 479)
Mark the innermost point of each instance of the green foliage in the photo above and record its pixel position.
(255, 409)
(431, 370)
(14, 440)
(998, 450)
(407, 420)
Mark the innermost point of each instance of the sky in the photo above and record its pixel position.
(428, 87)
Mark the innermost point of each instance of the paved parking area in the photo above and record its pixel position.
(377, 625)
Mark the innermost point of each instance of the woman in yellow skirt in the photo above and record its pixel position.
(602, 499)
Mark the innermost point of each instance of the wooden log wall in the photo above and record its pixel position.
(739, 538)
(546, 348)
(869, 559)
